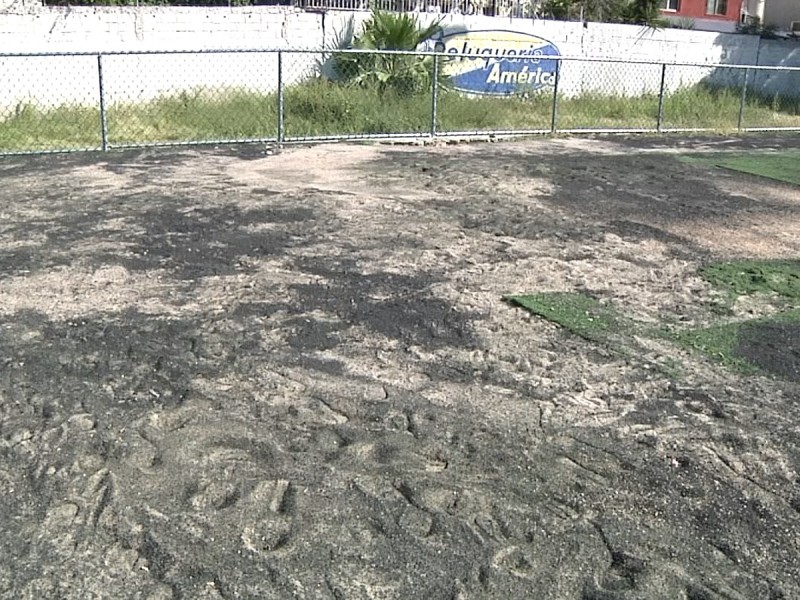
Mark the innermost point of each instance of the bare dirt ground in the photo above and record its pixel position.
(232, 375)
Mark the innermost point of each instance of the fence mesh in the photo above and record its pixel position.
(159, 98)
(697, 98)
(773, 99)
(53, 102)
(490, 8)
(608, 95)
(343, 94)
(49, 103)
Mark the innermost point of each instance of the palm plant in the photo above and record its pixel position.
(640, 12)
(645, 12)
(403, 74)
(586, 10)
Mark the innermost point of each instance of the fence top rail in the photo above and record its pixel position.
(449, 55)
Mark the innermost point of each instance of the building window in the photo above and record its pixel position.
(716, 7)
(671, 5)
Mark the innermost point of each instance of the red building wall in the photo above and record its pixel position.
(696, 9)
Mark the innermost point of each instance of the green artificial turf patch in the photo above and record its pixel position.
(718, 341)
(770, 344)
(576, 312)
(781, 166)
(767, 345)
(597, 322)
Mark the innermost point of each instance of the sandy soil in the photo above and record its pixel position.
(227, 374)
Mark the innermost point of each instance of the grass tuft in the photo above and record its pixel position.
(28, 127)
(754, 276)
(195, 115)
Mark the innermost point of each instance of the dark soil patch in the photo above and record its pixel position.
(773, 347)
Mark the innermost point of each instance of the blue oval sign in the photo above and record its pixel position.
(509, 62)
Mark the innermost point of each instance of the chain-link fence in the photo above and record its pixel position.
(524, 9)
(490, 8)
(88, 101)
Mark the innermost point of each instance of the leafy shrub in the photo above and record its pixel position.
(402, 74)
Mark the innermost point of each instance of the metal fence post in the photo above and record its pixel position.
(435, 95)
(103, 117)
(742, 100)
(554, 118)
(660, 118)
(280, 97)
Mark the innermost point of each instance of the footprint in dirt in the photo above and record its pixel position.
(267, 513)
(517, 568)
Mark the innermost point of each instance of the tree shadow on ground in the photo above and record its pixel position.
(398, 306)
(114, 361)
(693, 143)
(637, 196)
(143, 233)
(50, 165)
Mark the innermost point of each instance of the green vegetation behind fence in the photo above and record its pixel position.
(323, 108)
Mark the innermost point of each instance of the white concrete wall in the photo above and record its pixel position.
(608, 41)
(56, 80)
(594, 39)
(779, 53)
(60, 80)
(73, 29)
(701, 24)
(781, 13)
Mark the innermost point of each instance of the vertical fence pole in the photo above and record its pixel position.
(103, 117)
(435, 95)
(742, 100)
(280, 97)
(660, 118)
(554, 118)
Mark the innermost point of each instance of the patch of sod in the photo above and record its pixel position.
(599, 323)
(574, 311)
(767, 345)
(770, 344)
(754, 276)
(719, 342)
(781, 166)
